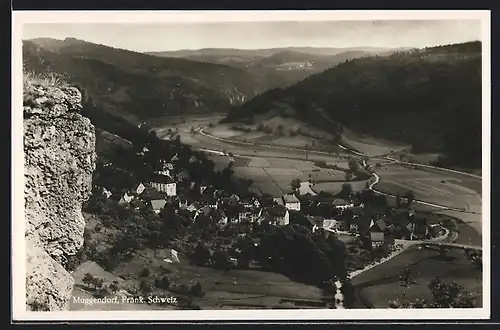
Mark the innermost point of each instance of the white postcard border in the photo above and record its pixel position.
(130, 17)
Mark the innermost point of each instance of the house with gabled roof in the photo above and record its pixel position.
(174, 158)
(205, 210)
(276, 214)
(279, 201)
(235, 197)
(221, 218)
(194, 206)
(182, 201)
(203, 188)
(251, 215)
(138, 188)
(106, 193)
(360, 224)
(291, 202)
(158, 205)
(340, 203)
(125, 199)
(168, 166)
(183, 175)
(164, 183)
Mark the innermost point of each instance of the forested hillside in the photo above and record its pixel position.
(430, 98)
(277, 67)
(136, 86)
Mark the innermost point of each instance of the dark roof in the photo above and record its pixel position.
(377, 236)
(357, 210)
(380, 224)
(195, 204)
(389, 239)
(206, 209)
(318, 219)
(340, 201)
(276, 210)
(364, 222)
(161, 179)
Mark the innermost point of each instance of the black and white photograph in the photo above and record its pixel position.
(283, 165)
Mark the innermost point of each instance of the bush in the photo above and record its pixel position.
(163, 282)
(145, 286)
(197, 290)
(144, 272)
(101, 293)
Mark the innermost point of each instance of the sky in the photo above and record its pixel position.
(260, 35)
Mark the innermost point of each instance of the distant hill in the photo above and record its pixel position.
(135, 86)
(430, 98)
(277, 67)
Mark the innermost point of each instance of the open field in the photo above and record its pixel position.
(274, 175)
(235, 288)
(315, 139)
(83, 292)
(428, 186)
(457, 190)
(377, 286)
(369, 145)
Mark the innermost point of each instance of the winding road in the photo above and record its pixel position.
(376, 177)
(210, 143)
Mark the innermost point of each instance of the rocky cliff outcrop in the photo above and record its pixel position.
(59, 149)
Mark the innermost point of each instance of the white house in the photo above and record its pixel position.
(223, 219)
(277, 214)
(342, 204)
(164, 172)
(195, 206)
(183, 202)
(332, 224)
(251, 215)
(203, 188)
(106, 193)
(291, 202)
(126, 198)
(139, 188)
(165, 184)
(168, 166)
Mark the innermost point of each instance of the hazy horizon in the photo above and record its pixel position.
(142, 37)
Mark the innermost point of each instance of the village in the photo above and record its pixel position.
(344, 214)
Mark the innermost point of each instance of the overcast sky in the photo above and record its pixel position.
(258, 35)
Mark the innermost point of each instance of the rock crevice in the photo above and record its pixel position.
(59, 158)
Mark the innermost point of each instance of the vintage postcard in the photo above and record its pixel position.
(251, 165)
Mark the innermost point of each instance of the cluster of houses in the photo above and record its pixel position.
(164, 188)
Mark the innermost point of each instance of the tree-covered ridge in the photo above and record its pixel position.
(137, 86)
(428, 97)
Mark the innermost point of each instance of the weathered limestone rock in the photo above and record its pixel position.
(59, 148)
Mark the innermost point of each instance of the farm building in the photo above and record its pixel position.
(291, 202)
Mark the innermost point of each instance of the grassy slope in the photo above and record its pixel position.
(136, 86)
(429, 98)
(381, 284)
